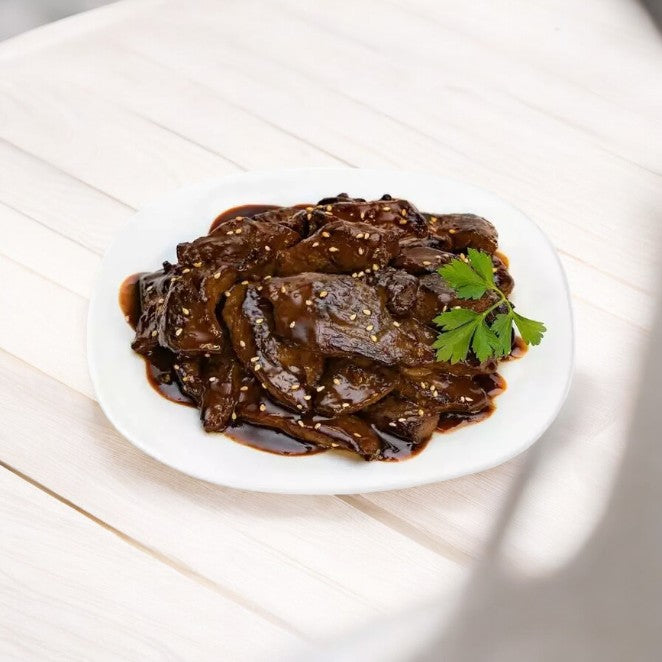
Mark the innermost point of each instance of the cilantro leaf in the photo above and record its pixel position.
(463, 279)
(463, 329)
(482, 265)
(453, 346)
(531, 331)
(484, 342)
(502, 327)
(455, 317)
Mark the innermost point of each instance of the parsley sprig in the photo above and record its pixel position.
(463, 329)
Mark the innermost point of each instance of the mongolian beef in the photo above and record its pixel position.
(300, 329)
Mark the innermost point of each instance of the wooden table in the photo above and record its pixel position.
(555, 105)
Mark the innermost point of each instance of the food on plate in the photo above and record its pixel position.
(354, 325)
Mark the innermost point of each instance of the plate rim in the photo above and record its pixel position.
(386, 484)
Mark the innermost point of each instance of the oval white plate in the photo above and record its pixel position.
(537, 385)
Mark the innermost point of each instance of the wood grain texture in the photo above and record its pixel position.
(555, 105)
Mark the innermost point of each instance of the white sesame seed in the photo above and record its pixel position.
(370, 327)
(345, 405)
(433, 219)
(309, 302)
(178, 332)
(375, 267)
(359, 235)
(336, 381)
(242, 343)
(263, 407)
(244, 388)
(323, 294)
(307, 397)
(255, 359)
(334, 445)
(373, 338)
(386, 209)
(421, 412)
(396, 323)
(317, 426)
(244, 282)
(424, 385)
(267, 248)
(362, 215)
(316, 244)
(452, 231)
(185, 271)
(352, 316)
(299, 407)
(326, 234)
(300, 423)
(237, 231)
(295, 386)
(217, 275)
(257, 367)
(426, 263)
(197, 265)
(329, 208)
(333, 249)
(367, 311)
(282, 289)
(154, 334)
(234, 416)
(267, 278)
(292, 324)
(403, 221)
(392, 424)
(230, 232)
(361, 251)
(213, 379)
(259, 320)
(402, 420)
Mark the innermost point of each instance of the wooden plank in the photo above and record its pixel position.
(70, 588)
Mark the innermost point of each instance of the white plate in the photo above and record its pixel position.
(537, 385)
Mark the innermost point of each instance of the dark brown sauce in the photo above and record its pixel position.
(271, 441)
(129, 299)
(161, 376)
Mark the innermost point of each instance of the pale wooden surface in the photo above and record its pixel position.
(555, 105)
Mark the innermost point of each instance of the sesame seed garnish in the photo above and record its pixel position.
(426, 263)
(334, 445)
(242, 343)
(230, 232)
(299, 407)
(367, 311)
(309, 216)
(402, 420)
(361, 274)
(403, 221)
(386, 209)
(160, 300)
(354, 275)
(452, 231)
(396, 323)
(227, 293)
(336, 381)
(237, 231)
(178, 332)
(461, 398)
(300, 423)
(282, 289)
(468, 399)
(154, 334)
(494, 270)
(294, 386)
(309, 302)
(217, 275)
(403, 212)
(292, 324)
(319, 389)
(185, 271)
(333, 249)
(352, 316)
(433, 219)
(373, 338)
(176, 366)
(255, 359)
(267, 248)
(307, 397)
(316, 244)
(345, 405)
(244, 282)
(234, 416)
(357, 435)
(359, 235)
(263, 407)
(259, 288)
(267, 278)
(213, 379)
(244, 388)
(421, 412)
(257, 367)
(375, 267)
(370, 327)
(323, 294)
(197, 265)
(317, 426)
(392, 424)
(329, 208)
(326, 234)
(186, 311)
(424, 385)
(309, 209)
(259, 320)
(361, 251)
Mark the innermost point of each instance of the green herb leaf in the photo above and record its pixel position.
(453, 346)
(530, 330)
(463, 329)
(502, 327)
(451, 319)
(463, 279)
(484, 342)
(482, 265)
